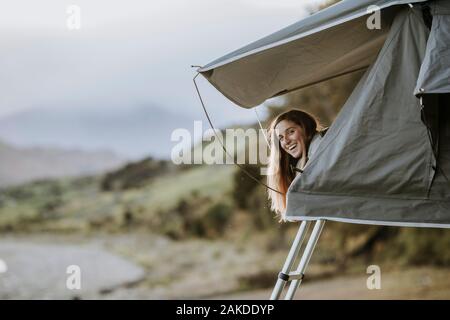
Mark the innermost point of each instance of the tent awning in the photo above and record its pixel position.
(327, 44)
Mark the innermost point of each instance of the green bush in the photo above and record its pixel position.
(259, 208)
(217, 218)
(244, 185)
(195, 217)
(424, 246)
(134, 174)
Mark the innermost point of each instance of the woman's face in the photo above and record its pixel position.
(290, 135)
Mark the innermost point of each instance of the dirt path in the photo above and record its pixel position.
(39, 270)
(134, 266)
(416, 283)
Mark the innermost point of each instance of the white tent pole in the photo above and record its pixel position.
(293, 252)
(305, 258)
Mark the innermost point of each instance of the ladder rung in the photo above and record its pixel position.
(296, 275)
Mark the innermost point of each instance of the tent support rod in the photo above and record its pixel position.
(293, 253)
(318, 227)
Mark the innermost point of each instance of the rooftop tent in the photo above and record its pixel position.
(332, 42)
(377, 163)
(386, 157)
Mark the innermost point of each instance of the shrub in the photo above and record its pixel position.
(259, 207)
(216, 219)
(244, 185)
(424, 246)
(134, 174)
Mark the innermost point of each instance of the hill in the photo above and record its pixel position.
(22, 165)
(135, 132)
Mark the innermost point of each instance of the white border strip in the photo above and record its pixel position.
(370, 222)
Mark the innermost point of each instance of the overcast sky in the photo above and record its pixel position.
(128, 52)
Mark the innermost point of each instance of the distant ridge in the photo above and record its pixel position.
(21, 165)
(135, 132)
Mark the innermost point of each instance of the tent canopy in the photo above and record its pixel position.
(386, 157)
(327, 44)
(376, 164)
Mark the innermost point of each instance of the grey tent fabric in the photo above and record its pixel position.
(330, 43)
(386, 158)
(376, 163)
(434, 75)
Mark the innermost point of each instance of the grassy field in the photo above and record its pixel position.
(80, 204)
(185, 229)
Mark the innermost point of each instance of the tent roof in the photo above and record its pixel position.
(246, 76)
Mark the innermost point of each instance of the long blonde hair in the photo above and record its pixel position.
(280, 174)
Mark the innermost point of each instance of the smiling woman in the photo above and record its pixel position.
(294, 135)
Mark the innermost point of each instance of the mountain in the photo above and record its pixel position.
(134, 132)
(20, 165)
